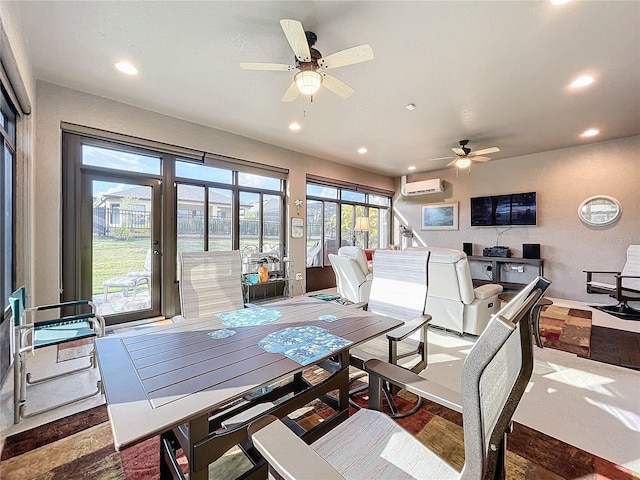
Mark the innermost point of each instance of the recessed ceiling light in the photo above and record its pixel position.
(294, 126)
(592, 132)
(559, 2)
(582, 81)
(362, 150)
(412, 167)
(411, 106)
(127, 68)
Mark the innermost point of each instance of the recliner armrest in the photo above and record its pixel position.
(409, 327)
(487, 291)
(414, 383)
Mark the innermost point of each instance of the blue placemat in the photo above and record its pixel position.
(249, 317)
(303, 344)
(222, 333)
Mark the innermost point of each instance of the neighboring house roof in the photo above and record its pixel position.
(186, 195)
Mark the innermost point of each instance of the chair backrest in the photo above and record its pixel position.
(495, 375)
(17, 304)
(451, 269)
(210, 282)
(349, 277)
(357, 254)
(632, 267)
(399, 287)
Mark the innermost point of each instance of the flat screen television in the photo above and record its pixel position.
(511, 210)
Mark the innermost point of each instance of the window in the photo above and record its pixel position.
(333, 223)
(8, 117)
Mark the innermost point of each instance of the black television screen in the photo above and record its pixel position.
(515, 209)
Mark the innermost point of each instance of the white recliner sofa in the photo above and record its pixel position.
(452, 301)
(358, 255)
(351, 281)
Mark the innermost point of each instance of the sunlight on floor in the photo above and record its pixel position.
(629, 419)
(578, 378)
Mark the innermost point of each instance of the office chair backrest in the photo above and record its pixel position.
(632, 268)
(399, 287)
(210, 282)
(494, 377)
(16, 302)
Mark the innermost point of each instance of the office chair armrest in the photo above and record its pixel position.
(410, 381)
(598, 271)
(362, 305)
(409, 327)
(286, 453)
(626, 276)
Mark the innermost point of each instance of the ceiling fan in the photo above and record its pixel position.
(311, 65)
(464, 156)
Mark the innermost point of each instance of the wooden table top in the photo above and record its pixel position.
(158, 378)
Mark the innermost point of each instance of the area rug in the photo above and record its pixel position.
(566, 329)
(80, 447)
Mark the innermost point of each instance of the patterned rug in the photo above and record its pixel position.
(566, 329)
(80, 447)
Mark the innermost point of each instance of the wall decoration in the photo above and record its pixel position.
(298, 204)
(440, 216)
(599, 210)
(297, 227)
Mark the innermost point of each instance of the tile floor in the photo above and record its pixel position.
(590, 405)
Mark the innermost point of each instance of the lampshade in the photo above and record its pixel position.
(362, 224)
(463, 163)
(308, 81)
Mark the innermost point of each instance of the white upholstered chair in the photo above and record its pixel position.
(369, 444)
(452, 301)
(351, 282)
(358, 255)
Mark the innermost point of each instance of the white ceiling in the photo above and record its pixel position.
(493, 72)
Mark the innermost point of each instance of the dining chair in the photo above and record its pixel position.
(398, 290)
(369, 444)
(31, 335)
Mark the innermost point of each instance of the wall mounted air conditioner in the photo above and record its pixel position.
(422, 187)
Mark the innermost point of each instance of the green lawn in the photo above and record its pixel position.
(114, 258)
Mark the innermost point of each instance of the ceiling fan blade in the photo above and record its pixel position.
(350, 56)
(296, 37)
(336, 86)
(451, 164)
(485, 151)
(291, 94)
(459, 152)
(267, 66)
(480, 159)
(441, 158)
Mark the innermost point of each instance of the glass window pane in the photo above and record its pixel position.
(220, 219)
(373, 240)
(379, 200)
(352, 196)
(259, 181)
(271, 219)
(314, 233)
(249, 220)
(119, 160)
(198, 171)
(314, 190)
(346, 225)
(330, 230)
(189, 219)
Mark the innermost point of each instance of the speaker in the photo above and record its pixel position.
(468, 249)
(531, 250)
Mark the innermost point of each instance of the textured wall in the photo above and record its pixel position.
(562, 180)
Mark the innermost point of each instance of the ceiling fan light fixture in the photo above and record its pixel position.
(463, 163)
(308, 81)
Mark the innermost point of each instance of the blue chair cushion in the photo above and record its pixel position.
(55, 334)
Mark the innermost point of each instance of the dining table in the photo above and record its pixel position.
(199, 383)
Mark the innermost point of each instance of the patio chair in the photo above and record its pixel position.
(132, 280)
(29, 336)
(398, 290)
(369, 444)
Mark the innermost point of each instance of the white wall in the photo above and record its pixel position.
(57, 104)
(562, 180)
